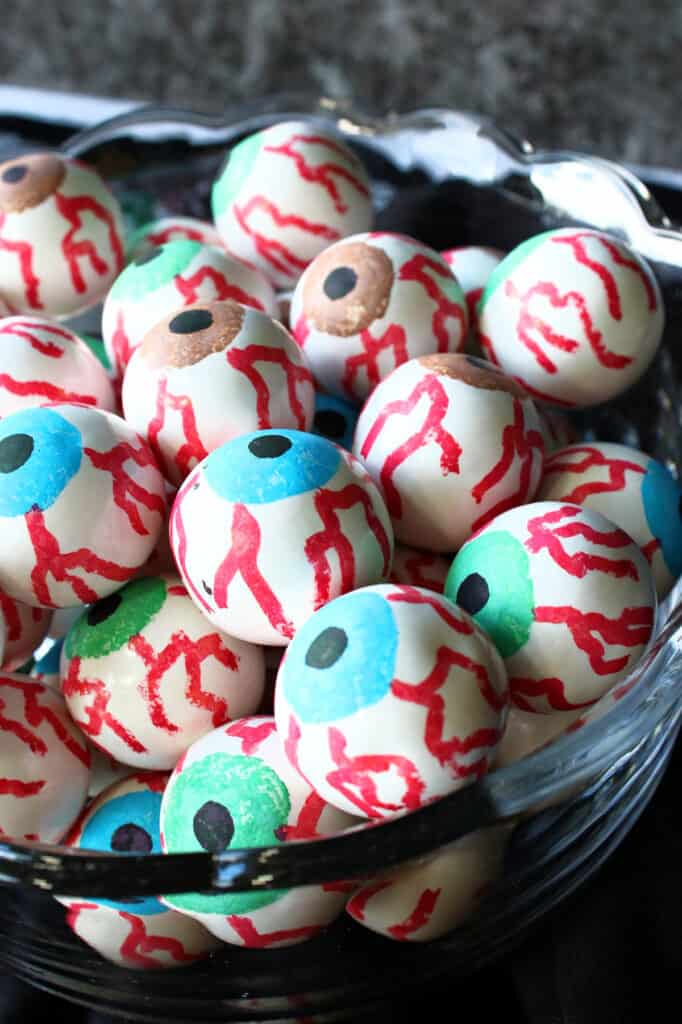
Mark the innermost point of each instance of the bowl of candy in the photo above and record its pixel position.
(326, 673)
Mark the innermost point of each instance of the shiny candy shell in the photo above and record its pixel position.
(567, 597)
(388, 697)
(233, 789)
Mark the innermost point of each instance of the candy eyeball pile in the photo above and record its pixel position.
(281, 554)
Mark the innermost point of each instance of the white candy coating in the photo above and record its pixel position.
(25, 628)
(172, 229)
(286, 193)
(389, 697)
(370, 303)
(575, 315)
(472, 265)
(419, 568)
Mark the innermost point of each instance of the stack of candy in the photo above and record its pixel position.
(383, 505)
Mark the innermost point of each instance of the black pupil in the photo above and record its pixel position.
(103, 609)
(148, 257)
(473, 593)
(481, 364)
(270, 446)
(326, 648)
(339, 282)
(190, 320)
(14, 174)
(330, 423)
(15, 450)
(213, 826)
(131, 839)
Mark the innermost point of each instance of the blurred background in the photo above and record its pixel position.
(591, 75)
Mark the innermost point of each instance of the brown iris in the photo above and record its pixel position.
(188, 335)
(347, 288)
(27, 181)
(473, 371)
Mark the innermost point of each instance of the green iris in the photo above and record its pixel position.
(509, 264)
(107, 625)
(236, 170)
(153, 270)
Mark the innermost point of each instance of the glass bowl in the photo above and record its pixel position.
(449, 179)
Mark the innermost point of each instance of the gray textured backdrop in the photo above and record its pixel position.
(587, 74)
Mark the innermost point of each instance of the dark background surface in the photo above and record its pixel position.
(591, 74)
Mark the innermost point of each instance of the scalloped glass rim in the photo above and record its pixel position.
(610, 733)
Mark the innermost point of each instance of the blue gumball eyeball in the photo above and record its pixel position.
(40, 452)
(662, 499)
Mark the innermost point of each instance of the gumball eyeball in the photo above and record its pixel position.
(140, 933)
(368, 304)
(527, 732)
(233, 789)
(472, 265)
(168, 277)
(46, 661)
(575, 315)
(335, 419)
(451, 441)
(61, 235)
(171, 229)
(44, 762)
(419, 568)
(144, 673)
(25, 629)
(631, 489)
(389, 697)
(44, 362)
(424, 899)
(208, 373)
(273, 525)
(81, 504)
(566, 596)
(286, 193)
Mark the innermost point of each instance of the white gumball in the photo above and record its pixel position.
(210, 372)
(44, 762)
(526, 732)
(273, 525)
(171, 229)
(286, 193)
(472, 265)
(567, 597)
(233, 789)
(575, 315)
(61, 235)
(389, 697)
(451, 441)
(419, 568)
(25, 628)
(368, 304)
(81, 504)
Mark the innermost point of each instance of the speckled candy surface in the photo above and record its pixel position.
(335, 419)
(81, 504)
(211, 372)
(61, 235)
(41, 361)
(452, 441)
(370, 303)
(140, 934)
(171, 276)
(44, 762)
(172, 229)
(575, 315)
(424, 899)
(286, 193)
(145, 674)
(472, 265)
(389, 697)
(273, 525)
(631, 489)
(235, 788)
(25, 628)
(567, 597)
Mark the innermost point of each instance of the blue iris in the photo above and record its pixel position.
(342, 659)
(48, 665)
(662, 498)
(40, 452)
(270, 465)
(335, 419)
(128, 824)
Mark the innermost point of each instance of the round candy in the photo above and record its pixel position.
(419, 568)
(44, 362)
(25, 629)
(46, 661)
(452, 442)
(144, 673)
(211, 372)
(472, 265)
(104, 771)
(81, 504)
(567, 597)
(335, 419)
(424, 899)
(273, 525)
(233, 789)
(61, 235)
(44, 762)
(631, 489)
(527, 732)
(169, 277)
(171, 229)
(370, 303)
(389, 697)
(139, 933)
(574, 315)
(287, 192)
